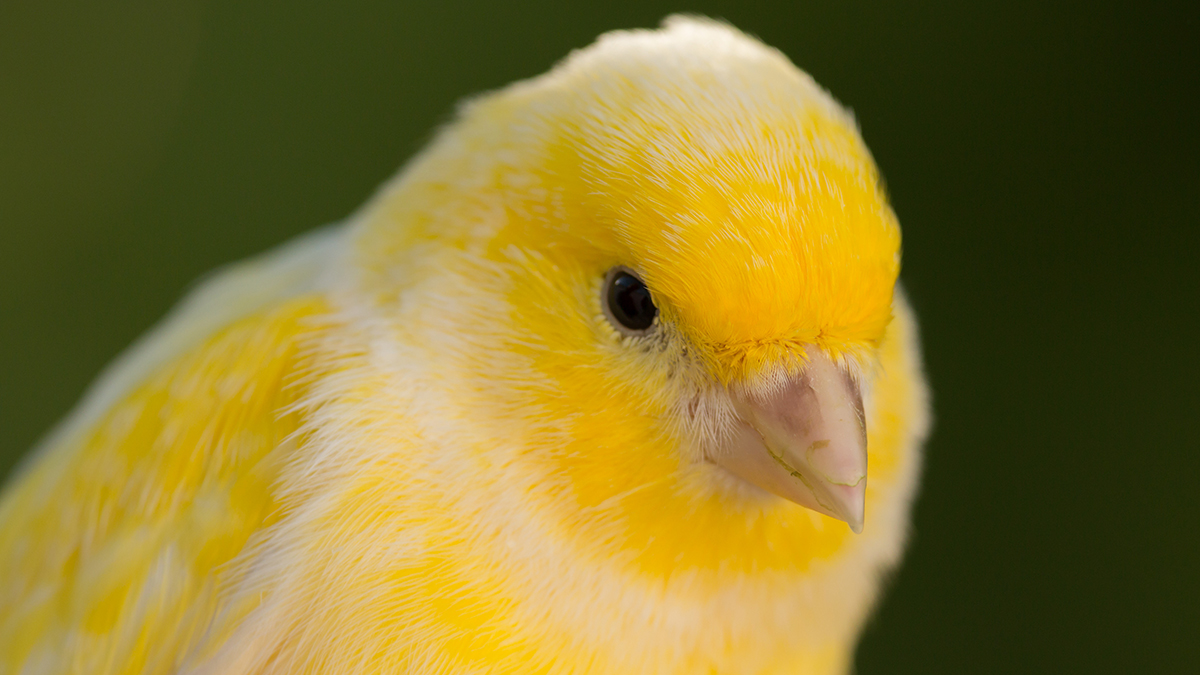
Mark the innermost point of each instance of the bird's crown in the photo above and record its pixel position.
(701, 159)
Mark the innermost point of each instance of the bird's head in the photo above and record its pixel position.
(664, 270)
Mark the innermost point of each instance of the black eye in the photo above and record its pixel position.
(627, 302)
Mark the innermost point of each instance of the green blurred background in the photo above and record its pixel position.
(1043, 161)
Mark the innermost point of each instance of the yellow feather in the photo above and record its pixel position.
(116, 560)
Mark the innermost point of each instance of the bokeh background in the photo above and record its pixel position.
(1043, 159)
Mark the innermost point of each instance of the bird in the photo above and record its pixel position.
(591, 386)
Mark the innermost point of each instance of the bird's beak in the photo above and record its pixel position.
(805, 442)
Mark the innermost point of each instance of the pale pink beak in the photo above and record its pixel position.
(805, 442)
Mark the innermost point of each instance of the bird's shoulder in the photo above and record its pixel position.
(112, 535)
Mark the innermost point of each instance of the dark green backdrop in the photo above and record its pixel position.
(1043, 161)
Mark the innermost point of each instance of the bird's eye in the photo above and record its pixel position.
(627, 302)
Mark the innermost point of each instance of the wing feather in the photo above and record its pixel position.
(114, 534)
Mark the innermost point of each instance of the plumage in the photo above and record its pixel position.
(416, 442)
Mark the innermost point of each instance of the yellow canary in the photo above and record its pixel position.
(591, 387)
